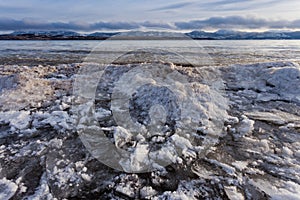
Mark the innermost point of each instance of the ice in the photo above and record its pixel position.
(147, 192)
(240, 165)
(17, 119)
(279, 190)
(7, 189)
(255, 154)
(59, 120)
(246, 126)
(274, 116)
(233, 194)
(86, 177)
(228, 169)
(287, 151)
(126, 190)
(8, 82)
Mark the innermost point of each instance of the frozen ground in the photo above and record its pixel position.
(256, 157)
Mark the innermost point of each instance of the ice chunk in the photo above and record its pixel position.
(17, 119)
(240, 165)
(7, 189)
(279, 189)
(233, 194)
(7, 81)
(246, 126)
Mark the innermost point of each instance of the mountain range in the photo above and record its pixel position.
(198, 35)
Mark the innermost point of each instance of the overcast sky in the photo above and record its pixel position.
(112, 15)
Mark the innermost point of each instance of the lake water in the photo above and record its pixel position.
(217, 52)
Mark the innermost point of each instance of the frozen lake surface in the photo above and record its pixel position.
(222, 52)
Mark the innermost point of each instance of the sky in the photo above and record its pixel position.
(179, 15)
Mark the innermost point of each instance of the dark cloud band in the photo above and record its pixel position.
(231, 22)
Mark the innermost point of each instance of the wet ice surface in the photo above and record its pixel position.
(223, 52)
(257, 156)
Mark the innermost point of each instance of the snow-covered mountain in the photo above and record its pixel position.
(47, 33)
(197, 34)
(229, 34)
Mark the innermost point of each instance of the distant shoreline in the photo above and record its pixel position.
(152, 35)
(94, 39)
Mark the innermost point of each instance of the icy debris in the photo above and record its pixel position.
(233, 193)
(86, 177)
(287, 151)
(278, 190)
(8, 82)
(79, 165)
(101, 113)
(128, 185)
(261, 146)
(64, 176)
(264, 145)
(228, 169)
(167, 153)
(64, 106)
(121, 137)
(59, 120)
(202, 172)
(246, 126)
(232, 120)
(126, 190)
(181, 142)
(275, 116)
(188, 103)
(193, 189)
(7, 189)
(17, 119)
(178, 195)
(271, 81)
(56, 143)
(240, 165)
(139, 159)
(147, 192)
(275, 152)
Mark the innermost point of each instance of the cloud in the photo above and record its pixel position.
(230, 22)
(237, 22)
(27, 24)
(155, 25)
(237, 5)
(172, 6)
